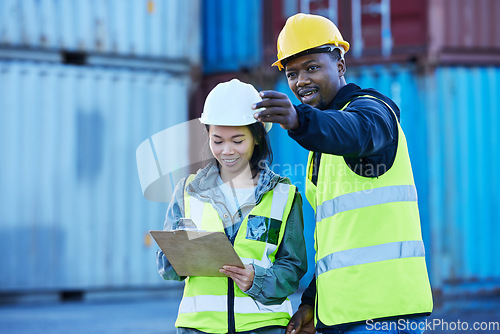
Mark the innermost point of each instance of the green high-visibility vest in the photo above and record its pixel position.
(369, 251)
(204, 305)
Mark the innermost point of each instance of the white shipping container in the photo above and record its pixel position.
(72, 214)
(155, 28)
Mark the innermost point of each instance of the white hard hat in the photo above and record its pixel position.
(230, 103)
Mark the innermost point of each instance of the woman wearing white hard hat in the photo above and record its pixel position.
(260, 212)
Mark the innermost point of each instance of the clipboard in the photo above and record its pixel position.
(197, 253)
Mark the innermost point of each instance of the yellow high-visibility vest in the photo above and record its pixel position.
(369, 251)
(204, 305)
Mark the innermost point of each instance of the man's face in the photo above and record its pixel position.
(315, 79)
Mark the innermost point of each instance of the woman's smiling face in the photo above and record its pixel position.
(232, 146)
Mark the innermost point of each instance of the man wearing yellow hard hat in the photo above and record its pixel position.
(370, 270)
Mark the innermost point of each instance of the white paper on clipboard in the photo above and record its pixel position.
(197, 253)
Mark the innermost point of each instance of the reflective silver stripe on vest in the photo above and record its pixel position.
(280, 198)
(365, 198)
(370, 254)
(242, 305)
(196, 207)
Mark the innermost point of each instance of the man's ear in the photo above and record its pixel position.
(341, 67)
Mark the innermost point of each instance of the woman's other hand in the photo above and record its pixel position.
(242, 277)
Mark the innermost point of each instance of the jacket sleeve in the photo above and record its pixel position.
(175, 211)
(366, 127)
(273, 285)
(309, 294)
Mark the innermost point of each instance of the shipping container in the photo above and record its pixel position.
(425, 32)
(72, 215)
(152, 29)
(232, 35)
(464, 31)
(450, 118)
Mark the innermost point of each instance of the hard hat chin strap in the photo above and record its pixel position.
(331, 48)
(319, 49)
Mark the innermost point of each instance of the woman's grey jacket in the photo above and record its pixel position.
(271, 285)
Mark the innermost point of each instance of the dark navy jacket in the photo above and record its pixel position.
(365, 133)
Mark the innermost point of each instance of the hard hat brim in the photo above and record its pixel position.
(342, 46)
(267, 125)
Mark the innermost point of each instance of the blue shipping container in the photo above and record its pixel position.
(232, 35)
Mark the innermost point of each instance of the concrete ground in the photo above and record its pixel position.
(154, 312)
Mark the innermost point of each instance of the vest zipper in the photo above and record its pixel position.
(231, 323)
(231, 326)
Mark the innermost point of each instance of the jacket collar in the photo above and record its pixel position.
(351, 91)
(206, 188)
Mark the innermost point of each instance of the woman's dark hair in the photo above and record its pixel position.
(262, 153)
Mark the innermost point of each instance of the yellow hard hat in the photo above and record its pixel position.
(306, 31)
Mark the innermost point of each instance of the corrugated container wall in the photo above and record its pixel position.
(162, 29)
(431, 31)
(72, 213)
(464, 31)
(232, 35)
(427, 32)
(450, 118)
